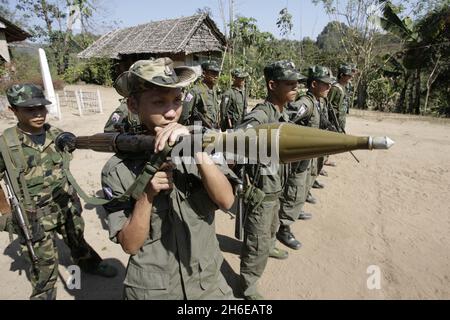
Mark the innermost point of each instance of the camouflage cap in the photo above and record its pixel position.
(26, 95)
(211, 66)
(239, 73)
(160, 72)
(320, 73)
(282, 70)
(346, 69)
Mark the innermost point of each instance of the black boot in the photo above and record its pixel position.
(304, 215)
(318, 185)
(311, 199)
(285, 236)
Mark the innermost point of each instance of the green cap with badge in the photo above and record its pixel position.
(282, 70)
(26, 95)
(346, 70)
(160, 72)
(239, 73)
(211, 66)
(320, 73)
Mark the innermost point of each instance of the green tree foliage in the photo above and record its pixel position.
(331, 37)
(423, 57)
(95, 70)
(284, 22)
(54, 25)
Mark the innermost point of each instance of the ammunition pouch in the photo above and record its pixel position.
(253, 197)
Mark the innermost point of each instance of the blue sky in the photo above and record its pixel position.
(308, 19)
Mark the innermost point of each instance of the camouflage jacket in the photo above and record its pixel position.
(203, 100)
(181, 257)
(46, 182)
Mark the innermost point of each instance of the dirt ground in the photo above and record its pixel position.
(390, 213)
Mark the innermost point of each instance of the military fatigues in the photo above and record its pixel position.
(305, 111)
(261, 224)
(201, 104)
(233, 107)
(54, 208)
(181, 258)
(336, 98)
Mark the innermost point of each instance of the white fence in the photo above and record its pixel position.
(80, 102)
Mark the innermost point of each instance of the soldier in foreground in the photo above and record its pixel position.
(262, 220)
(234, 101)
(201, 103)
(169, 230)
(47, 202)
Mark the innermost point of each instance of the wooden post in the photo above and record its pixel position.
(80, 104)
(99, 98)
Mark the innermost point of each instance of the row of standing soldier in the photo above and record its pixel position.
(264, 214)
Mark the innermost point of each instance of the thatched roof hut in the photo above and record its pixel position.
(9, 32)
(189, 40)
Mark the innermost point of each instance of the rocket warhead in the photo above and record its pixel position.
(381, 143)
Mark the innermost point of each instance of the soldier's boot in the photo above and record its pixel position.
(323, 173)
(304, 215)
(311, 199)
(278, 254)
(318, 185)
(286, 237)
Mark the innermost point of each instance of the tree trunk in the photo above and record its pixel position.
(410, 102)
(417, 93)
(400, 107)
(361, 102)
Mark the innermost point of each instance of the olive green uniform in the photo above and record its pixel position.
(337, 99)
(233, 107)
(201, 104)
(53, 208)
(304, 111)
(181, 258)
(262, 224)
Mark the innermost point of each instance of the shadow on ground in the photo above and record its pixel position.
(92, 287)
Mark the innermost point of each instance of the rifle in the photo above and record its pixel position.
(338, 126)
(241, 210)
(17, 212)
(198, 115)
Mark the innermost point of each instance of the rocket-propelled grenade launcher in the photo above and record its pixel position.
(283, 142)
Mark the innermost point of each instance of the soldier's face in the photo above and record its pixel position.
(239, 82)
(31, 119)
(284, 90)
(157, 107)
(211, 77)
(346, 79)
(320, 89)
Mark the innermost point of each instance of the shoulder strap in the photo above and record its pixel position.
(134, 191)
(13, 154)
(11, 138)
